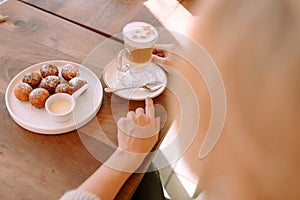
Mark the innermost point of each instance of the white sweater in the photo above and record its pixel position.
(79, 195)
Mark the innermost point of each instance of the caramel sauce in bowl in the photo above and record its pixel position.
(60, 107)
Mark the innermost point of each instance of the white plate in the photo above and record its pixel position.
(112, 78)
(37, 120)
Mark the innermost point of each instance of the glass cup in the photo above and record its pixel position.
(139, 40)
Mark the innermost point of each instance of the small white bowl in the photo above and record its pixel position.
(60, 107)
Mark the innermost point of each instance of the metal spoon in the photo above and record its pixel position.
(150, 86)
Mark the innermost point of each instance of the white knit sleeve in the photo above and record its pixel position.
(79, 195)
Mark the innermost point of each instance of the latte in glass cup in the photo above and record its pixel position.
(139, 39)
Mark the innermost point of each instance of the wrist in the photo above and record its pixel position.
(125, 161)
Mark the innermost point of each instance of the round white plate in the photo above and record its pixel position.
(112, 78)
(37, 120)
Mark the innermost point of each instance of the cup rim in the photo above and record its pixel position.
(139, 44)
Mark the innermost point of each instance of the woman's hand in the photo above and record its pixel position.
(138, 131)
(162, 54)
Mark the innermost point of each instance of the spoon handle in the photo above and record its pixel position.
(78, 92)
(109, 90)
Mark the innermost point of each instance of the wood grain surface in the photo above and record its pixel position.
(109, 17)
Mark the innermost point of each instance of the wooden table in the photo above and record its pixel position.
(37, 166)
(108, 17)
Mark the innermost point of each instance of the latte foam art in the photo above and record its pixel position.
(140, 32)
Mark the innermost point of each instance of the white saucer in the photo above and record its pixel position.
(37, 120)
(113, 78)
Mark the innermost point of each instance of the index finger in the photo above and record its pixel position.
(149, 108)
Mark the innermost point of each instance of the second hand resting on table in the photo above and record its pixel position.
(137, 135)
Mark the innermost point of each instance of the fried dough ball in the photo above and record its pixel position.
(64, 88)
(50, 83)
(33, 79)
(69, 71)
(22, 91)
(77, 83)
(49, 69)
(38, 97)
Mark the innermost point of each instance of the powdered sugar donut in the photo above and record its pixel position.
(69, 71)
(77, 83)
(49, 69)
(38, 97)
(64, 88)
(50, 83)
(32, 78)
(22, 91)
